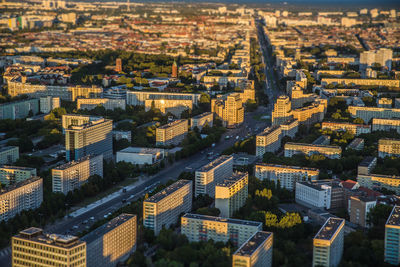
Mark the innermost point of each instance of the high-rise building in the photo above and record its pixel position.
(212, 173)
(163, 209)
(74, 174)
(286, 175)
(256, 252)
(392, 237)
(112, 242)
(202, 228)
(49, 103)
(359, 209)
(174, 70)
(92, 138)
(269, 140)
(282, 110)
(172, 133)
(229, 109)
(14, 174)
(332, 152)
(9, 154)
(328, 243)
(383, 57)
(21, 196)
(32, 247)
(231, 193)
(118, 65)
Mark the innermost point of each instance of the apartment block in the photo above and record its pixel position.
(19, 109)
(366, 165)
(77, 120)
(229, 109)
(212, 173)
(231, 193)
(388, 147)
(15, 174)
(163, 209)
(49, 103)
(332, 152)
(140, 155)
(359, 208)
(368, 113)
(312, 113)
(392, 237)
(174, 106)
(201, 120)
(138, 98)
(256, 252)
(282, 110)
(378, 181)
(384, 102)
(286, 175)
(269, 140)
(172, 133)
(119, 135)
(290, 128)
(360, 82)
(352, 128)
(9, 154)
(382, 56)
(313, 195)
(72, 175)
(21, 196)
(356, 144)
(202, 228)
(328, 243)
(108, 104)
(386, 124)
(112, 242)
(92, 138)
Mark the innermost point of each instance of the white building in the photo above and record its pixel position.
(49, 103)
(313, 195)
(140, 155)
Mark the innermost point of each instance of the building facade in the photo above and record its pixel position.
(388, 147)
(359, 208)
(386, 124)
(313, 195)
(282, 110)
(49, 103)
(201, 120)
(379, 181)
(355, 129)
(332, 152)
(140, 155)
(392, 237)
(229, 109)
(369, 113)
(14, 174)
(9, 154)
(138, 98)
(19, 109)
(108, 104)
(269, 140)
(172, 133)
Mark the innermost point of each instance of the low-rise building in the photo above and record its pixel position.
(287, 176)
(163, 209)
(359, 207)
(257, 251)
(112, 242)
(313, 195)
(172, 133)
(201, 120)
(332, 152)
(9, 154)
(269, 140)
(198, 227)
(386, 124)
(15, 174)
(231, 194)
(140, 155)
(388, 147)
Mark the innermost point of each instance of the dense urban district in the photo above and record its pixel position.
(195, 134)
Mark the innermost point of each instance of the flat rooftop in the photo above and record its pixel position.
(214, 163)
(312, 145)
(167, 191)
(269, 130)
(394, 217)
(17, 168)
(105, 228)
(74, 162)
(316, 186)
(329, 229)
(20, 184)
(171, 124)
(36, 235)
(367, 161)
(6, 148)
(231, 180)
(202, 115)
(141, 150)
(286, 167)
(248, 248)
(220, 219)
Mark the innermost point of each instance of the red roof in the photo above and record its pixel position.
(369, 192)
(349, 184)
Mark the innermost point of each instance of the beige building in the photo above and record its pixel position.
(9, 154)
(332, 152)
(174, 106)
(14, 174)
(378, 181)
(352, 128)
(286, 175)
(269, 140)
(256, 252)
(163, 209)
(72, 175)
(282, 110)
(32, 247)
(312, 113)
(231, 193)
(108, 104)
(290, 128)
(229, 109)
(384, 102)
(350, 82)
(212, 173)
(386, 124)
(172, 133)
(138, 98)
(388, 147)
(368, 113)
(202, 228)
(359, 208)
(112, 242)
(201, 120)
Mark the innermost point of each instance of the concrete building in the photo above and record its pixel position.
(229, 109)
(360, 82)
(269, 140)
(386, 124)
(72, 175)
(356, 144)
(172, 133)
(352, 128)
(368, 113)
(140, 155)
(112, 242)
(392, 237)
(202, 228)
(290, 128)
(366, 165)
(313, 195)
(332, 152)
(379, 181)
(383, 57)
(388, 147)
(77, 120)
(92, 138)
(282, 110)
(19, 109)
(328, 243)
(108, 104)
(163, 209)
(173, 106)
(201, 120)
(231, 193)
(119, 135)
(256, 252)
(138, 98)
(9, 154)
(212, 173)
(384, 102)
(311, 114)
(359, 208)
(32, 247)
(286, 175)
(24, 195)
(14, 174)
(49, 103)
